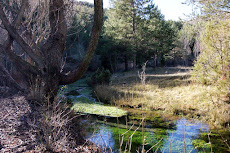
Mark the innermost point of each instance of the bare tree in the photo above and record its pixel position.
(39, 27)
(142, 74)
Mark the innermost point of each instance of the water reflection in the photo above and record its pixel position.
(180, 140)
(156, 139)
(104, 138)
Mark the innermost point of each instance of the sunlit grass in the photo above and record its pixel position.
(170, 90)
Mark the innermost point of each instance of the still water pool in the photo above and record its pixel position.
(117, 130)
(114, 137)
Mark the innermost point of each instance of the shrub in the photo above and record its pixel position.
(100, 77)
(213, 64)
(59, 128)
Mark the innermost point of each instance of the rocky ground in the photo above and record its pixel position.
(19, 126)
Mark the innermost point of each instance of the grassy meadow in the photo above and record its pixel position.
(170, 90)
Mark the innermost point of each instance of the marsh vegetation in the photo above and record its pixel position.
(156, 85)
(169, 113)
(170, 90)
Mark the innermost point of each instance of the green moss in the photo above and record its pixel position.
(217, 142)
(151, 138)
(201, 145)
(86, 106)
(152, 118)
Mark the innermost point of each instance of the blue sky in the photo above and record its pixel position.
(172, 9)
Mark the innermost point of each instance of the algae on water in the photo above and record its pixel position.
(85, 103)
(98, 109)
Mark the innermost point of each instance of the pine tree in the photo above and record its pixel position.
(122, 25)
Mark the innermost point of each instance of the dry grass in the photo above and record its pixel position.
(28, 127)
(54, 128)
(170, 90)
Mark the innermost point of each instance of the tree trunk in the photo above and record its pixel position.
(155, 60)
(162, 60)
(44, 74)
(126, 63)
(134, 61)
(134, 33)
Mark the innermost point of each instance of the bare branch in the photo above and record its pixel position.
(20, 13)
(7, 74)
(21, 64)
(98, 19)
(14, 34)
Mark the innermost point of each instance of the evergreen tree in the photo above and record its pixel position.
(213, 64)
(157, 37)
(138, 32)
(122, 25)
